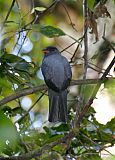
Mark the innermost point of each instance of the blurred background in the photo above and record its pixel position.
(31, 26)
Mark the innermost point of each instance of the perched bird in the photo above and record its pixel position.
(57, 75)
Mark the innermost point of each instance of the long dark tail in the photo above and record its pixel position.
(57, 106)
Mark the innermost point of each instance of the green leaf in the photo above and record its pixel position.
(51, 31)
(91, 156)
(10, 58)
(114, 1)
(95, 56)
(6, 86)
(111, 125)
(24, 66)
(60, 149)
(111, 158)
(51, 134)
(17, 65)
(87, 91)
(110, 85)
(9, 137)
(91, 4)
(4, 82)
(61, 128)
(91, 127)
(54, 138)
(57, 130)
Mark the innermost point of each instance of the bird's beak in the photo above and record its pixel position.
(45, 51)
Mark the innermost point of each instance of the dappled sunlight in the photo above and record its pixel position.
(83, 32)
(105, 109)
(26, 103)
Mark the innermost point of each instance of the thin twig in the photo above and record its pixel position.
(73, 26)
(88, 104)
(109, 44)
(39, 152)
(37, 17)
(85, 56)
(103, 77)
(98, 70)
(19, 120)
(23, 42)
(77, 49)
(76, 41)
(85, 38)
(68, 46)
(8, 13)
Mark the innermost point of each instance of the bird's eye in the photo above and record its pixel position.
(53, 49)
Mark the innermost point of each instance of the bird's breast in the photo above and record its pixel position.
(54, 71)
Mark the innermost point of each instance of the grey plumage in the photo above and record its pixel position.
(57, 75)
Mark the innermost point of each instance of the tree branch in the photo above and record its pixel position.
(80, 41)
(88, 104)
(85, 38)
(22, 93)
(39, 152)
(38, 16)
(71, 134)
(42, 87)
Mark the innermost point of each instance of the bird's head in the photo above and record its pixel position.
(50, 49)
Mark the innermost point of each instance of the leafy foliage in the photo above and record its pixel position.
(22, 27)
(51, 31)
(9, 137)
(91, 4)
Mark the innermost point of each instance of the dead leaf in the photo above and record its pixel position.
(92, 24)
(101, 11)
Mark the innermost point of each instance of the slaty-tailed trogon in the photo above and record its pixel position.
(57, 75)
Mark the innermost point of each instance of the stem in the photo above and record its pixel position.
(8, 13)
(85, 10)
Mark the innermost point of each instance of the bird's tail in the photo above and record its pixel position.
(57, 106)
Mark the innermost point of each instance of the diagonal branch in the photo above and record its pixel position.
(22, 93)
(19, 120)
(39, 15)
(71, 134)
(88, 104)
(39, 152)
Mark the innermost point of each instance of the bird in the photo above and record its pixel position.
(57, 75)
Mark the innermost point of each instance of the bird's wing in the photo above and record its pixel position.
(57, 72)
(67, 73)
(67, 68)
(47, 71)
